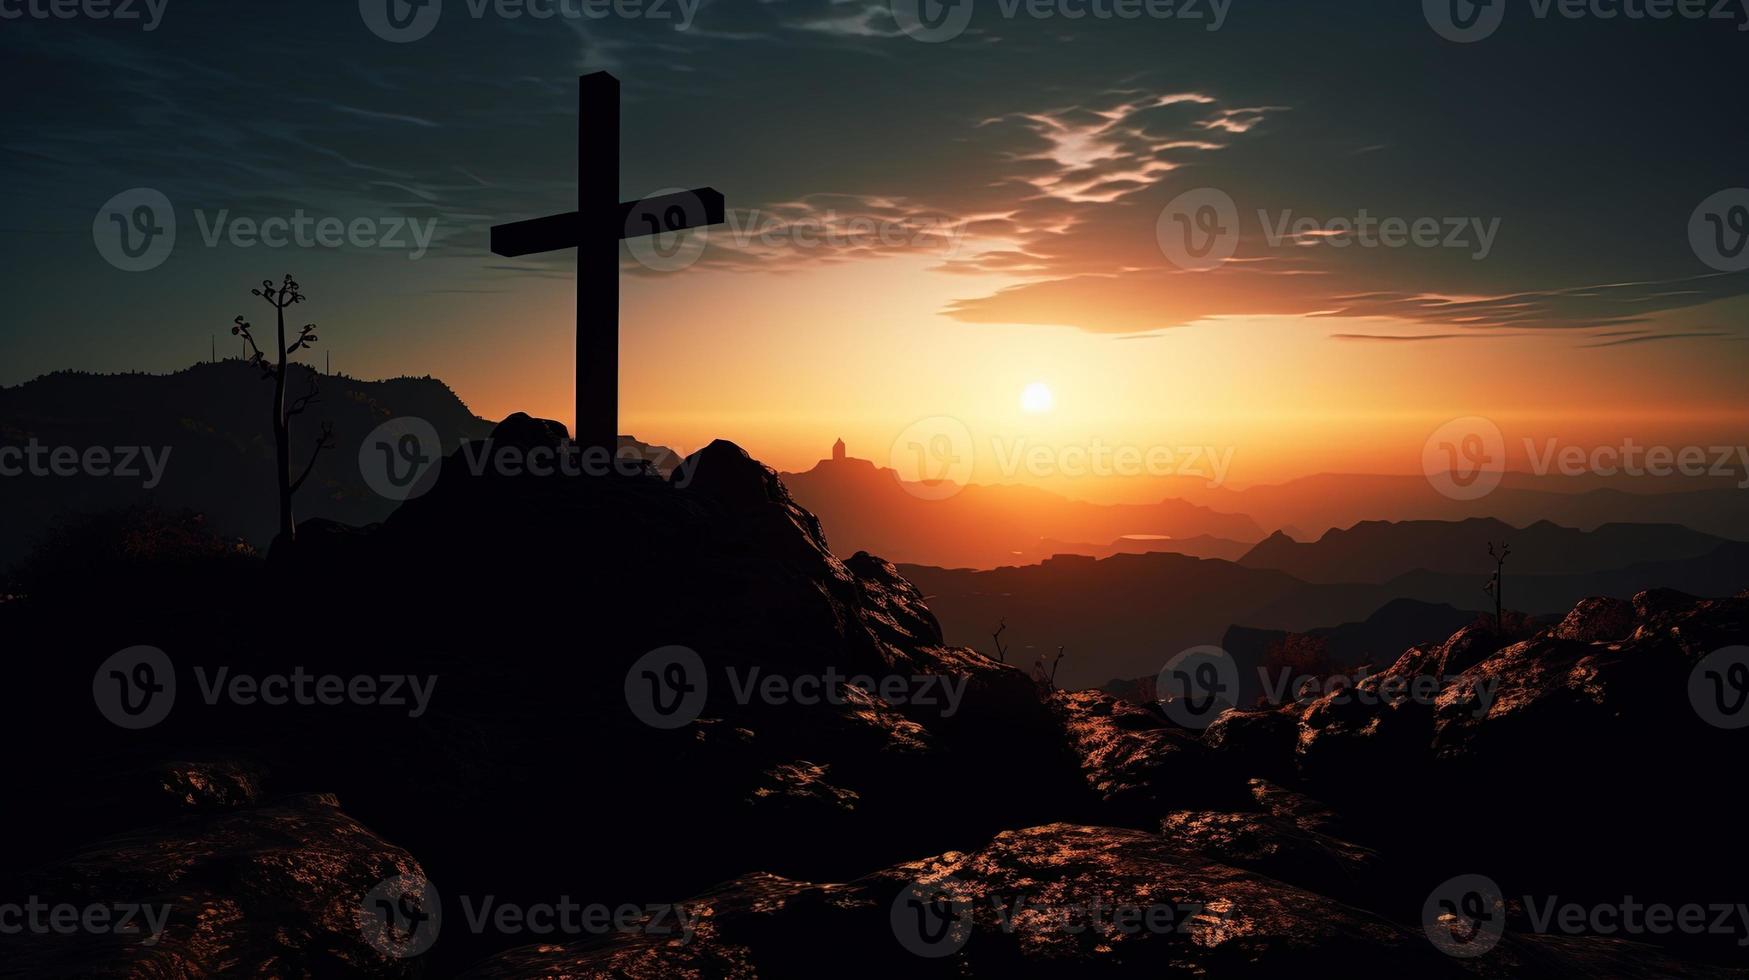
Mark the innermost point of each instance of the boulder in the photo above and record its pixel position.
(1598, 619)
(269, 890)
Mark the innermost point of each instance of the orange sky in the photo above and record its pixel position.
(861, 350)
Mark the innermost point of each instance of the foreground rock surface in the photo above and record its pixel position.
(1568, 763)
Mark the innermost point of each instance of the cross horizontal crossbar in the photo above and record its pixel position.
(670, 212)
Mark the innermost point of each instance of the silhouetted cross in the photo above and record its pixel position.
(595, 230)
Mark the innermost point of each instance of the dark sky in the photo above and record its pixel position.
(1053, 143)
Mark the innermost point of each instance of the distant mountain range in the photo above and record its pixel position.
(1317, 503)
(868, 508)
(210, 427)
(1375, 551)
(1125, 615)
(214, 419)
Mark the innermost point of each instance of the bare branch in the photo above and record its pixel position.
(305, 400)
(325, 442)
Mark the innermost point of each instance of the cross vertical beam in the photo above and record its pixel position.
(595, 230)
(597, 420)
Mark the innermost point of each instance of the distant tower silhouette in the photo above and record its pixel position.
(838, 451)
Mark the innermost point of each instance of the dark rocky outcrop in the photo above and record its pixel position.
(262, 890)
(1307, 838)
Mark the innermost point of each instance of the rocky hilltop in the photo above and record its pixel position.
(668, 696)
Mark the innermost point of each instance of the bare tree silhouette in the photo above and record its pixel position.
(1495, 587)
(1001, 652)
(287, 293)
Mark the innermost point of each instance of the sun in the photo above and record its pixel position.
(1037, 398)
